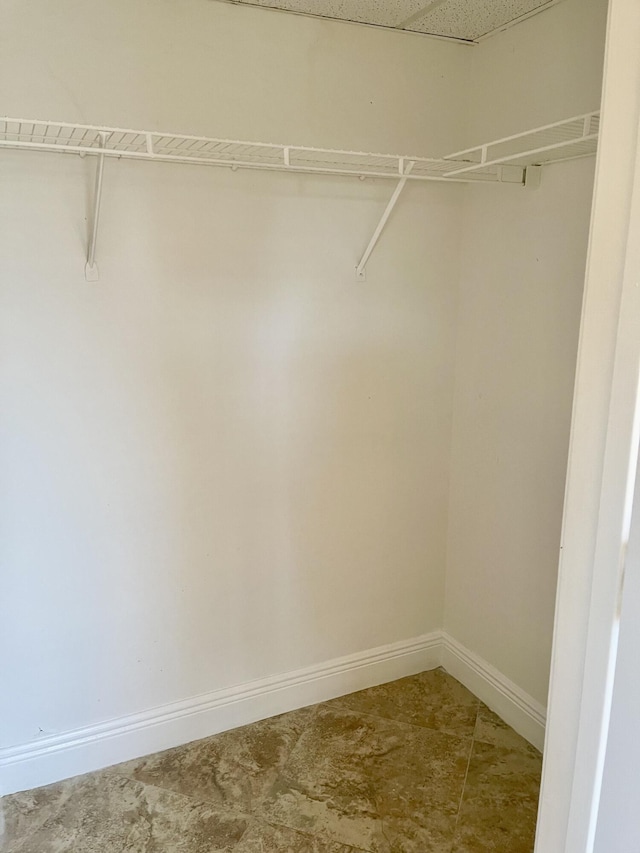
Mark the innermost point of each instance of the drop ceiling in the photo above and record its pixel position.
(463, 20)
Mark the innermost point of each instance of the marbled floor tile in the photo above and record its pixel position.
(370, 783)
(491, 729)
(105, 813)
(431, 699)
(233, 770)
(22, 813)
(263, 838)
(500, 803)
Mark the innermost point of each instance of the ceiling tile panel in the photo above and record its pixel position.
(386, 13)
(470, 19)
(465, 20)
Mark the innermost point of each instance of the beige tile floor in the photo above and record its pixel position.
(415, 766)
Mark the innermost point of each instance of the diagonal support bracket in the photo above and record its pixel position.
(91, 268)
(361, 274)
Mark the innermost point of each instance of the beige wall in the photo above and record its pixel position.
(239, 72)
(227, 459)
(523, 261)
(545, 69)
(520, 295)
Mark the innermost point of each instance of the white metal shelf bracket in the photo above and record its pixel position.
(532, 177)
(91, 268)
(361, 273)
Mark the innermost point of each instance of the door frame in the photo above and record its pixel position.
(602, 463)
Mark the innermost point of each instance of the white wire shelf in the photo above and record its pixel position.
(513, 159)
(569, 139)
(565, 140)
(94, 140)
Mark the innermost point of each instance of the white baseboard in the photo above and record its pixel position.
(509, 701)
(52, 758)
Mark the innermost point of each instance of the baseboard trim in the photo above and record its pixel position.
(55, 757)
(52, 758)
(521, 711)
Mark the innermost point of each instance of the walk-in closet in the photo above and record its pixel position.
(292, 294)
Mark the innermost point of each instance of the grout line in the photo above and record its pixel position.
(466, 775)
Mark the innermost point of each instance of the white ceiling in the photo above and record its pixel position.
(466, 20)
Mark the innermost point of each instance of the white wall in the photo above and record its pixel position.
(545, 69)
(227, 459)
(240, 72)
(520, 295)
(523, 261)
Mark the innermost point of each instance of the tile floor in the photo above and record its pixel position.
(415, 766)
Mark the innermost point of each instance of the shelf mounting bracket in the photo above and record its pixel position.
(91, 268)
(532, 176)
(361, 274)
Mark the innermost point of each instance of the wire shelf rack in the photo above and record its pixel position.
(506, 160)
(233, 153)
(575, 137)
(569, 139)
